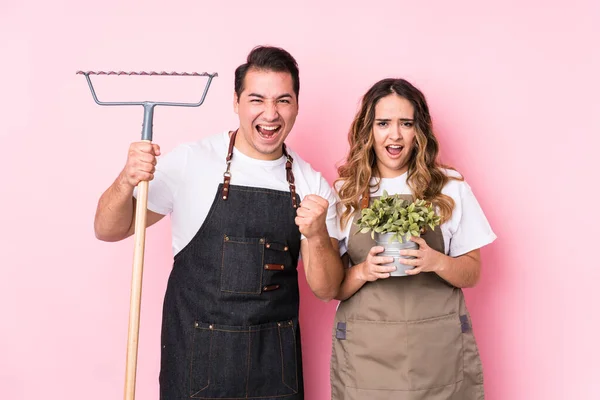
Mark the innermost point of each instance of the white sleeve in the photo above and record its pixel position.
(167, 178)
(328, 194)
(471, 228)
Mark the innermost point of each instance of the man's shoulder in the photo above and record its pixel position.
(310, 179)
(205, 147)
(302, 164)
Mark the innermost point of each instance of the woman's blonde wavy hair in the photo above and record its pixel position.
(426, 176)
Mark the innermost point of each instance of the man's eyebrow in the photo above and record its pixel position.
(389, 119)
(260, 96)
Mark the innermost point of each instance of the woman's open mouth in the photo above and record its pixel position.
(394, 150)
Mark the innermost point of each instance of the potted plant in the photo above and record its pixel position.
(392, 221)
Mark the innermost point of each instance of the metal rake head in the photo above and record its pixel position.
(147, 73)
(148, 105)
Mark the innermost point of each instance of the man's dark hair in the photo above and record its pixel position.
(267, 58)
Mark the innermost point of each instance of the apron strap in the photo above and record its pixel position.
(290, 175)
(288, 169)
(227, 174)
(364, 202)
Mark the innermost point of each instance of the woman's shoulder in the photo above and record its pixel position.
(452, 173)
(455, 184)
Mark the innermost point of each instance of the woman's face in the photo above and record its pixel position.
(394, 135)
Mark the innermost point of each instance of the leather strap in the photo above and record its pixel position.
(364, 202)
(288, 169)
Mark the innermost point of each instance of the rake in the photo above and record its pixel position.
(140, 215)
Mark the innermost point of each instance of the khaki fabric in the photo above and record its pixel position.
(404, 338)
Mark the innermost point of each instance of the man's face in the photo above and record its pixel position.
(267, 108)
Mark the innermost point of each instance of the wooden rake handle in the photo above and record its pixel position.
(136, 290)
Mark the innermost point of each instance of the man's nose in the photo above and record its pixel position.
(270, 112)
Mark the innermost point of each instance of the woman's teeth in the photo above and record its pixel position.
(394, 149)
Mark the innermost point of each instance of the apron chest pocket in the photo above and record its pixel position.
(242, 264)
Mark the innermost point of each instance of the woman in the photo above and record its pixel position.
(405, 337)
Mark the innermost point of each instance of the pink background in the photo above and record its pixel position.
(513, 88)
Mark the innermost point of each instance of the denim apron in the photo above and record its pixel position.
(230, 316)
(404, 338)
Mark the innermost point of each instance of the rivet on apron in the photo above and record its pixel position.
(279, 324)
(285, 248)
(261, 241)
(196, 324)
(290, 323)
(226, 238)
(268, 246)
(210, 326)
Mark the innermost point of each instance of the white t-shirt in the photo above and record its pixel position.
(186, 181)
(468, 228)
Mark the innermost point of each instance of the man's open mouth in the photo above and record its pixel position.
(268, 131)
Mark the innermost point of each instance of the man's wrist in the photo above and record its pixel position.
(320, 239)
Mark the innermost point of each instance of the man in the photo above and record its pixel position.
(243, 208)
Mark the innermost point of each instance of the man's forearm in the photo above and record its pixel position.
(324, 271)
(115, 212)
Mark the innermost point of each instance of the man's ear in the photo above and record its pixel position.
(236, 102)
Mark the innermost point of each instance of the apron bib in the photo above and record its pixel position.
(230, 316)
(404, 338)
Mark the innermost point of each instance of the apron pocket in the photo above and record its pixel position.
(242, 265)
(436, 352)
(200, 364)
(243, 361)
(273, 360)
(375, 354)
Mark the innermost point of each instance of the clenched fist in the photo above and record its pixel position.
(311, 216)
(141, 160)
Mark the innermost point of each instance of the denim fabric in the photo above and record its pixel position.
(230, 322)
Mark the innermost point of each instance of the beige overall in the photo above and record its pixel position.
(405, 338)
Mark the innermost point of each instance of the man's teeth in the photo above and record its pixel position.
(268, 128)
